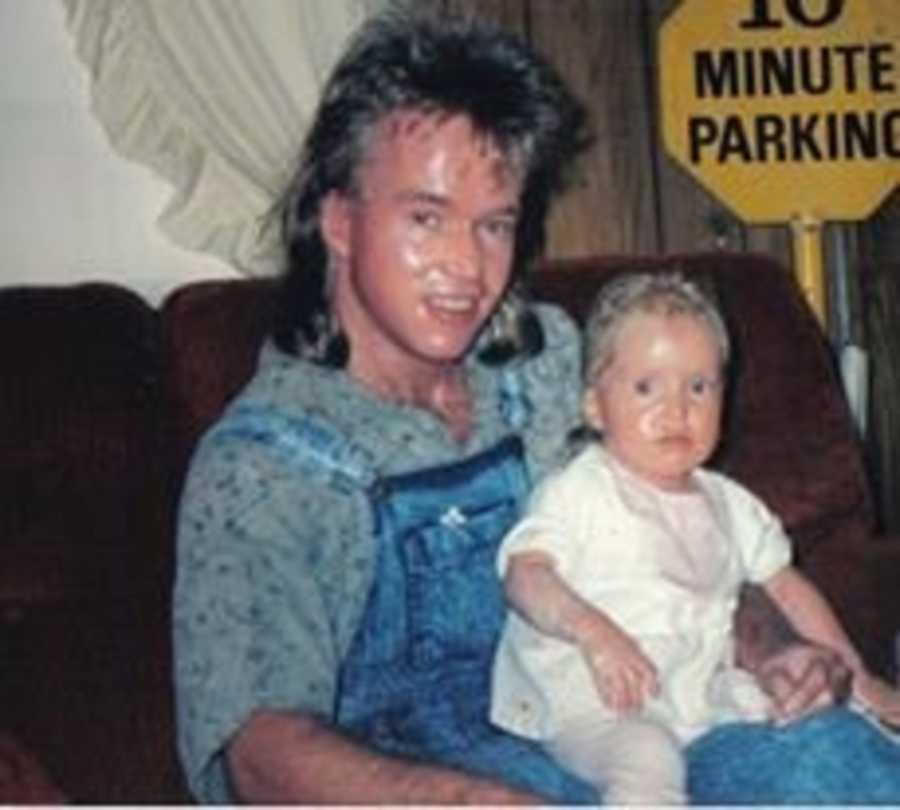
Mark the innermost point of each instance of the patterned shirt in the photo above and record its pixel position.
(275, 559)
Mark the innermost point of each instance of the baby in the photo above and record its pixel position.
(624, 573)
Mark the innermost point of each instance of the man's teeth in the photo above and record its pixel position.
(454, 304)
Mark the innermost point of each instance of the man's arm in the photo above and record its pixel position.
(811, 614)
(761, 629)
(287, 758)
(800, 676)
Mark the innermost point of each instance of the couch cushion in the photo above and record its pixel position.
(211, 335)
(24, 780)
(79, 415)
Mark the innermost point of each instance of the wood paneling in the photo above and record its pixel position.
(599, 48)
(512, 14)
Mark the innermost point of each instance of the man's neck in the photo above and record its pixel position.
(440, 389)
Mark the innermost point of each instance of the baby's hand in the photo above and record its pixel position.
(882, 699)
(625, 678)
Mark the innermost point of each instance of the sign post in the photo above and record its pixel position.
(786, 110)
(808, 264)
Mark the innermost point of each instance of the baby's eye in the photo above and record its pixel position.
(643, 387)
(426, 218)
(701, 386)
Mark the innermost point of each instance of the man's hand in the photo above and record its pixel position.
(803, 678)
(800, 676)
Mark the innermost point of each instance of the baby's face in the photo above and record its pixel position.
(659, 402)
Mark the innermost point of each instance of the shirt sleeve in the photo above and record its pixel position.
(763, 544)
(251, 618)
(549, 525)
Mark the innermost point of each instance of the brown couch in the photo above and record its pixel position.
(103, 398)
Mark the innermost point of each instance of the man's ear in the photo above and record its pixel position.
(591, 409)
(334, 223)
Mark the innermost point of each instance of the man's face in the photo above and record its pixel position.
(423, 251)
(659, 402)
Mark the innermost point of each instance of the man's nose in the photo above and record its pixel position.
(462, 252)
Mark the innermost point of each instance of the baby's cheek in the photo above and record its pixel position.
(648, 419)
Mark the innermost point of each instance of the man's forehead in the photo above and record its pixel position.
(415, 126)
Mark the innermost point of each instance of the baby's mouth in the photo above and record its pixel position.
(675, 440)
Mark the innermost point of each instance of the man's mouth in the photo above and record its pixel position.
(452, 305)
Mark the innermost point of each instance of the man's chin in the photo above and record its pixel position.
(447, 351)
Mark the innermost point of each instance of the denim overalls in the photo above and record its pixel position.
(416, 679)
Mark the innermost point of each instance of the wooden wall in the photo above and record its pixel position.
(631, 198)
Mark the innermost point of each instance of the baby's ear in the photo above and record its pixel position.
(590, 407)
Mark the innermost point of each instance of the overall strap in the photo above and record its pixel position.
(305, 442)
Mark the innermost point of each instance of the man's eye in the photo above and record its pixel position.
(503, 227)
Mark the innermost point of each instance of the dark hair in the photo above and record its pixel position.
(428, 63)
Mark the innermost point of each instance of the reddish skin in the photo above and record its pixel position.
(659, 401)
(422, 255)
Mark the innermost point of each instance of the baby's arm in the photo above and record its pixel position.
(813, 617)
(625, 678)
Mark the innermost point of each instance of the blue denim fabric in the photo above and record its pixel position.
(834, 757)
(417, 678)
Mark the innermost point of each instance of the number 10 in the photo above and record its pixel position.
(761, 16)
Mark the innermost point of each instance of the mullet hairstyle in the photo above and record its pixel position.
(442, 65)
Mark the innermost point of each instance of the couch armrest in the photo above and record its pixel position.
(882, 555)
(23, 780)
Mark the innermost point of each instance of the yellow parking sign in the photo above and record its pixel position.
(787, 110)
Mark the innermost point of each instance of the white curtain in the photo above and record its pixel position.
(215, 96)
